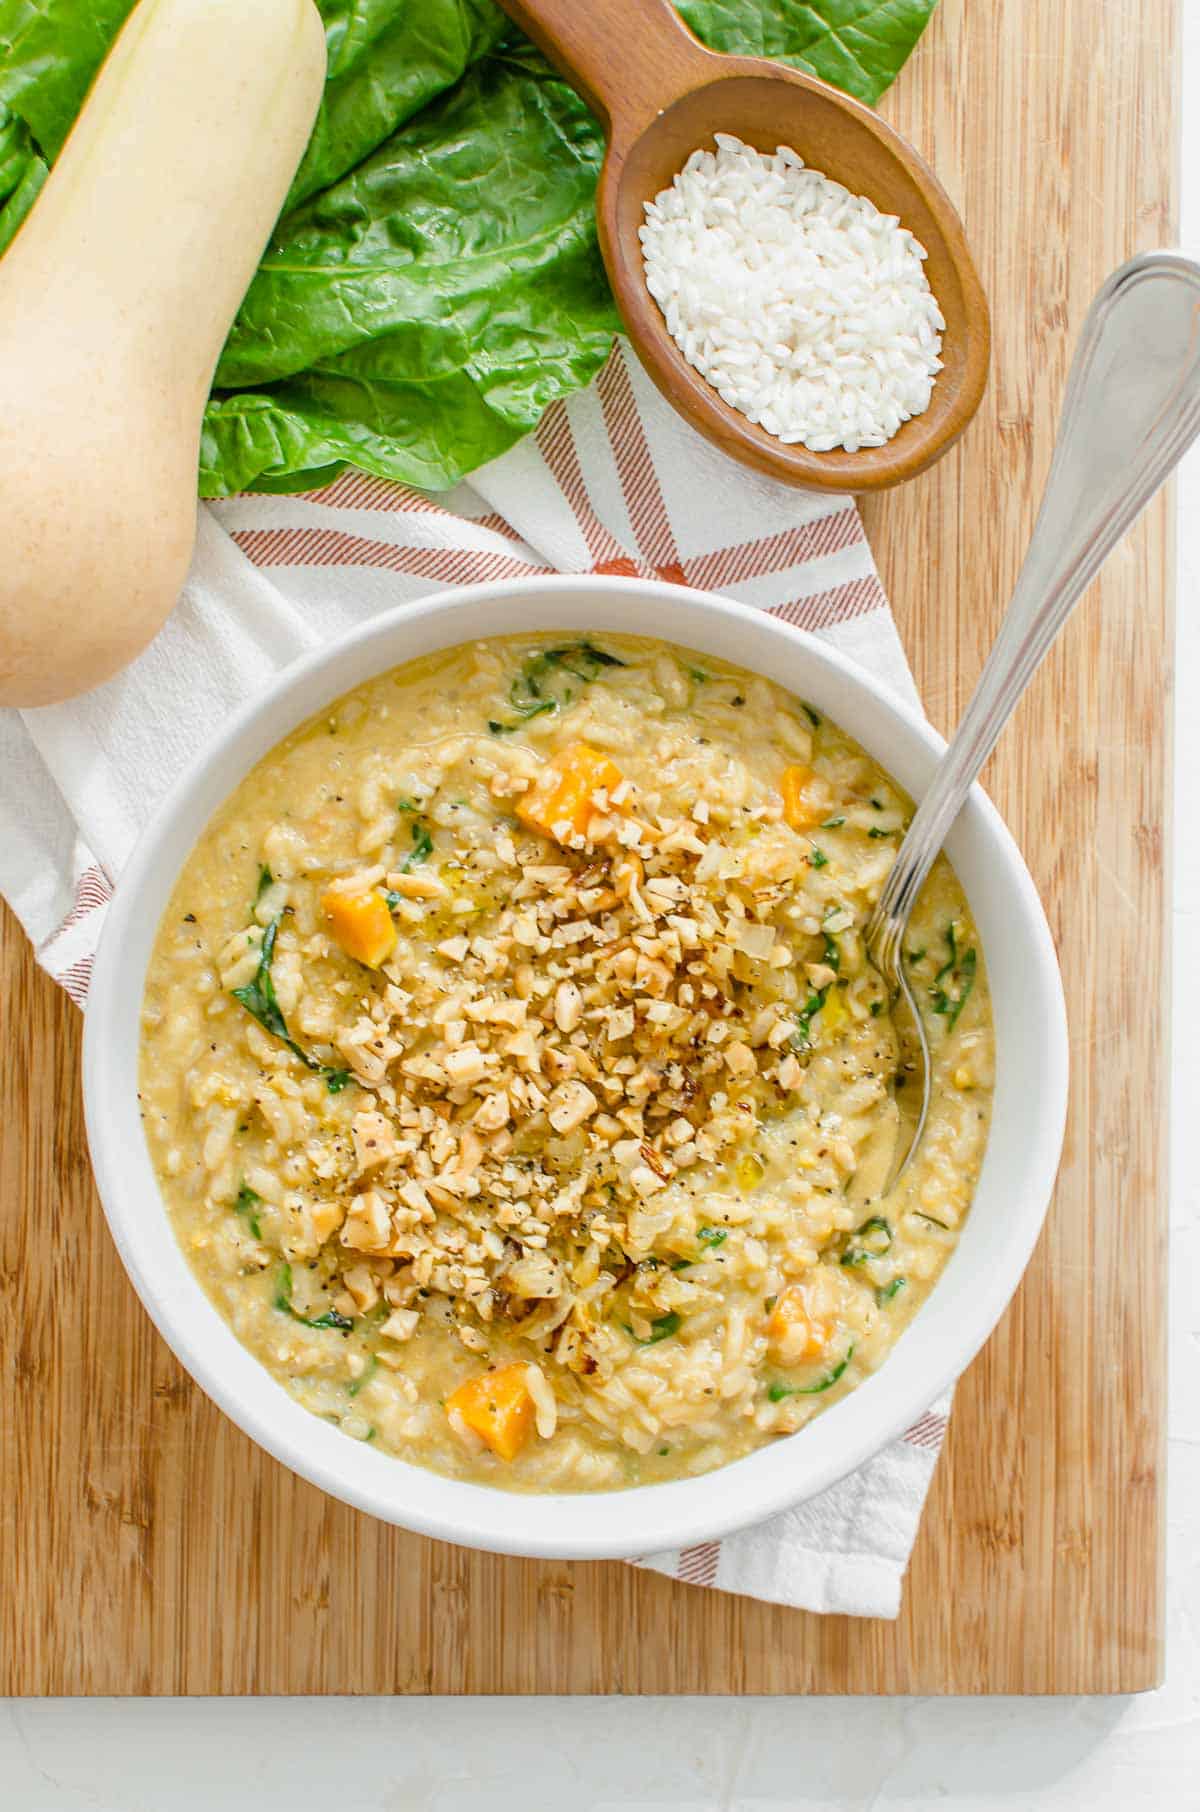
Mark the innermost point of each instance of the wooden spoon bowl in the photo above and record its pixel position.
(661, 95)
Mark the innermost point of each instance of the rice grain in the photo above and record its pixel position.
(806, 308)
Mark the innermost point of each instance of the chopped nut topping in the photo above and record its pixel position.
(570, 1105)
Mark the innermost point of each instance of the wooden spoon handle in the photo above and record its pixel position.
(627, 59)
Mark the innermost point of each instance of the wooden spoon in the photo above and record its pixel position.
(660, 94)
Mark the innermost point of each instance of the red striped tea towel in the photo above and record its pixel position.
(612, 482)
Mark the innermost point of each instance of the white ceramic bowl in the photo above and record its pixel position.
(1010, 1203)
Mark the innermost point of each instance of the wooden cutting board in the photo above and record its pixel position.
(147, 1547)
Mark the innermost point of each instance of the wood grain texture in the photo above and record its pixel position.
(147, 1546)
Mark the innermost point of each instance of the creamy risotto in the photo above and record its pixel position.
(515, 1078)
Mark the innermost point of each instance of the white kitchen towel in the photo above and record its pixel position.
(612, 482)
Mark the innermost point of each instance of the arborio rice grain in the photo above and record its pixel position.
(806, 308)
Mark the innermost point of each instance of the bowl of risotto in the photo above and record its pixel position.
(490, 1095)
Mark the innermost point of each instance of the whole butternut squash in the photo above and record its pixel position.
(116, 297)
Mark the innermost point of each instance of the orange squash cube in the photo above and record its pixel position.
(806, 797)
(498, 1406)
(562, 792)
(361, 923)
(794, 1332)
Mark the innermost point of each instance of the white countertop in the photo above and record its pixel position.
(748, 1755)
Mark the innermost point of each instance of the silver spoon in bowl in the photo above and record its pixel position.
(1131, 411)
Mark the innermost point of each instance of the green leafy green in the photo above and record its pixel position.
(661, 1329)
(528, 694)
(247, 1205)
(387, 60)
(434, 282)
(817, 858)
(258, 998)
(802, 1036)
(954, 981)
(886, 1291)
(712, 1236)
(778, 1391)
(858, 1252)
(417, 317)
(858, 45)
(364, 1377)
(331, 1318)
(22, 173)
(422, 846)
(49, 52)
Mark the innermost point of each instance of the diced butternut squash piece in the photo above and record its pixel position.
(361, 923)
(795, 1331)
(562, 792)
(498, 1406)
(807, 798)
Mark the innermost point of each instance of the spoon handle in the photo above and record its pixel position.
(627, 59)
(1132, 409)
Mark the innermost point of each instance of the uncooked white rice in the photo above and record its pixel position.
(806, 308)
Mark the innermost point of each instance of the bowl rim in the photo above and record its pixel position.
(610, 1524)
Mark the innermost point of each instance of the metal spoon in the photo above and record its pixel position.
(1132, 409)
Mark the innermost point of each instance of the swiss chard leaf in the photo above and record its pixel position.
(802, 1036)
(330, 1318)
(858, 45)
(660, 1329)
(878, 1232)
(417, 317)
(247, 1205)
(954, 981)
(529, 693)
(49, 52)
(22, 173)
(386, 60)
(778, 1391)
(258, 998)
(422, 846)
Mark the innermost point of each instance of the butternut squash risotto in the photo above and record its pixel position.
(517, 1085)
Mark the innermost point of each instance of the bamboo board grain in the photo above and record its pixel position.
(147, 1547)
